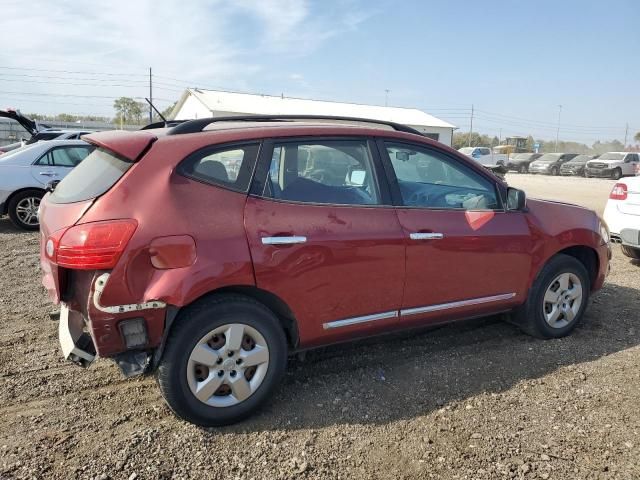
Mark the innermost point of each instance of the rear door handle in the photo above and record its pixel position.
(283, 240)
(426, 236)
(48, 174)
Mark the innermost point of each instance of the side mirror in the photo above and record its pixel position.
(516, 199)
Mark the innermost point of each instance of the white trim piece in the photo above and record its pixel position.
(283, 240)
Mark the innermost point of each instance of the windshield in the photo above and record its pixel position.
(549, 157)
(95, 175)
(523, 156)
(611, 156)
(466, 150)
(581, 159)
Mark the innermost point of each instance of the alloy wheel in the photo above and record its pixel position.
(27, 210)
(562, 300)
(227, 365)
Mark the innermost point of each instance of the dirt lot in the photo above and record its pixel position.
(468, 401)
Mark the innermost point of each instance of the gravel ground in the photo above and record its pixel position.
(474, 400)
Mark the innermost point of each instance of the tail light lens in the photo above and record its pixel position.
(90, 246)
(619, 192)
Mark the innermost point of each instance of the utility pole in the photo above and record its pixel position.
(471, 126)
(386, 97)
(626, 132)
(500, 138)
(150, 96)
(558, 130)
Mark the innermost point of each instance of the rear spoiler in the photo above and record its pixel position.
(130, 145)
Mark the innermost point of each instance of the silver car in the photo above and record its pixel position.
(26, 171)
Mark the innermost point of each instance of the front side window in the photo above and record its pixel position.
(427, 179)
(230, 166)
(329, 172)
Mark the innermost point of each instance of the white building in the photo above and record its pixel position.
(198, 103)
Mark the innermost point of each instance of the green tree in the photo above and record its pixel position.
(128, 110)
(636, 137)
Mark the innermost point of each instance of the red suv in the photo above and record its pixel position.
(208, 252)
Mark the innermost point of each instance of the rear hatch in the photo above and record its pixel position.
(115, 154)
(26, 123)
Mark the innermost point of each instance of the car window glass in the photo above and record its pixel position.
(427, 179)
(69, 156)
(332, 172)
(45, 159)
(230, 167)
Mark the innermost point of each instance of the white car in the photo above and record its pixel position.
(613, 165)
(622, 215)
(485, 156)
(26, 171)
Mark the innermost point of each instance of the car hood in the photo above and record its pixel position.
(555, 217)
(597, 160)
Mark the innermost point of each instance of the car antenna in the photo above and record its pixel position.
(157, 111)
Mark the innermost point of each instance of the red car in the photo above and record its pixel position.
(208, 252)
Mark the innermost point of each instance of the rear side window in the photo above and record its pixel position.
(229, 166)
(64, 156)
(91, 178)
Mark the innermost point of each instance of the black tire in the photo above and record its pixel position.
(191, 325)
(616, 174)
(554, 171)
(631, 252)
(529, 316)
(523, 169)
(13, 206)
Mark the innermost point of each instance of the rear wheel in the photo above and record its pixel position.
(557, 299)
(223, 360)
(616, 174)
(631, 252)
(23, 209)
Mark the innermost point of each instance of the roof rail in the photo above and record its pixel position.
(194, 126)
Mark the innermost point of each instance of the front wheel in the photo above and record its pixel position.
(616, 174)
(223, 359)
(631, 252)
(557, 299)
(554, 171)
(523, 169)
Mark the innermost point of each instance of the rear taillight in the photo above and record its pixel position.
(619, 192)
(90, 246)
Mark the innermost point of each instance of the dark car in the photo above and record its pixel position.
(550, 163)
(575, 166)
(208, 252)
(520, 161)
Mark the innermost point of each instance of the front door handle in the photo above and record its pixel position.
(283, 240)
(426, 236)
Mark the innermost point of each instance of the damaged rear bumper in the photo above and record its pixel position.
(77, 345)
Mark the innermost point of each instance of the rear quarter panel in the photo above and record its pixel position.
(165, 204)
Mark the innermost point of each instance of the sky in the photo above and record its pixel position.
(514, 61)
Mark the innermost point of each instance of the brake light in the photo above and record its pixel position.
(90, 246)
(619, 192)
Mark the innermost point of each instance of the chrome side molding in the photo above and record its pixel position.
(363, 319)
(461, 303)
(426, 236)
(415, 311)
(283, 240)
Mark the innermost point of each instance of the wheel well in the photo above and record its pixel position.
(587, 256)
(273, 303)
(5, 208)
